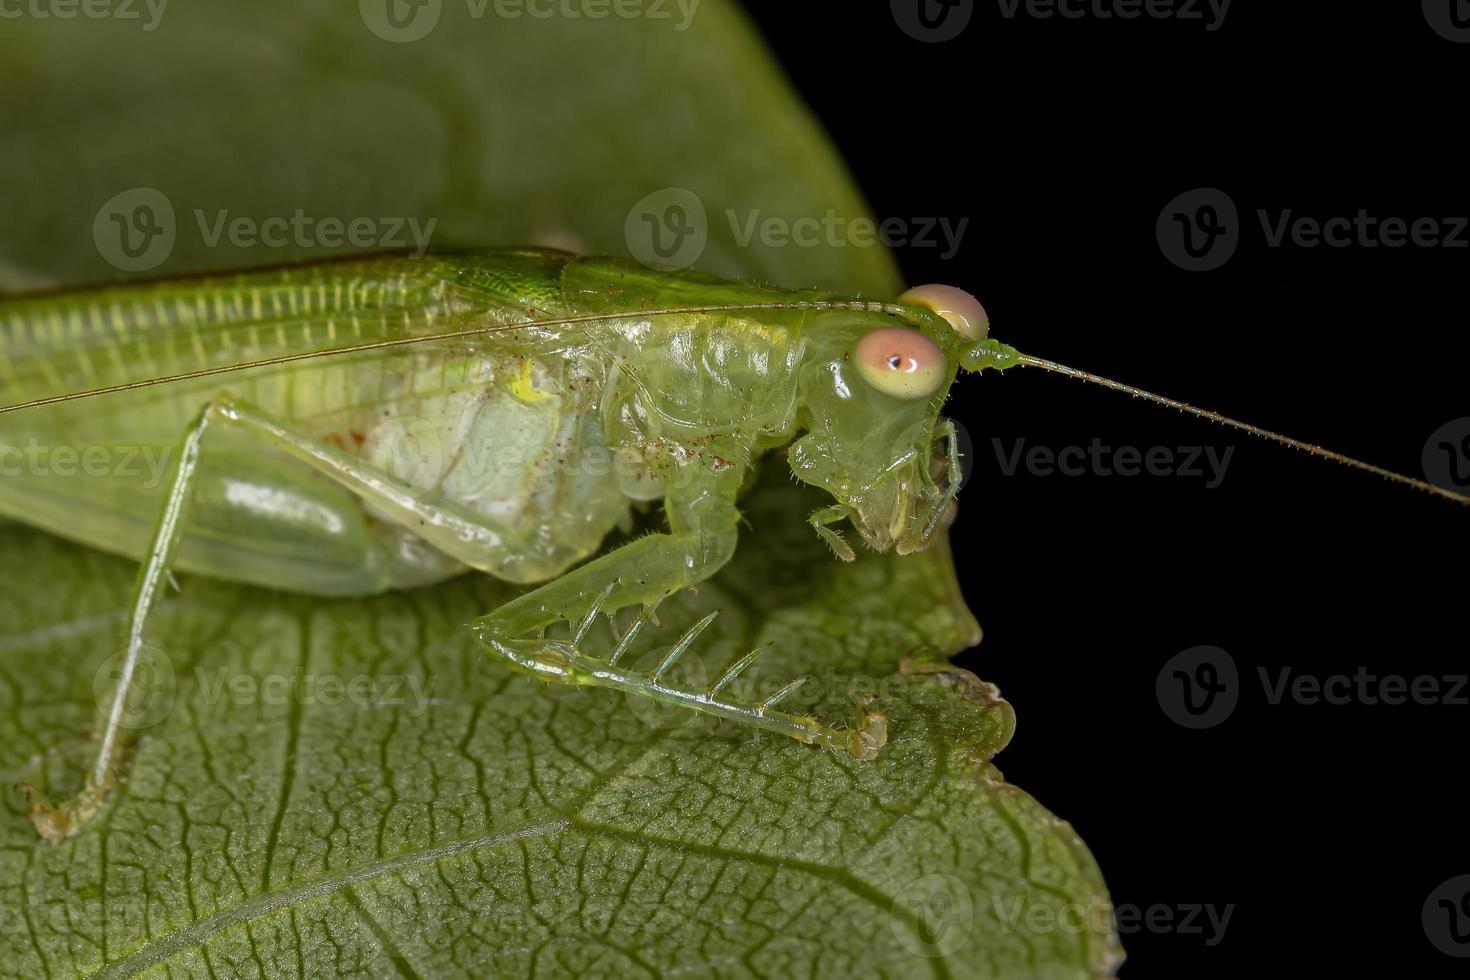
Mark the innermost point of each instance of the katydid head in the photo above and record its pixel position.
(875, 440)
(871, 391)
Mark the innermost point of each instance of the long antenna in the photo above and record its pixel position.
(1255, 430)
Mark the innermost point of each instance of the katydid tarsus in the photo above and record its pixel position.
(535, 397)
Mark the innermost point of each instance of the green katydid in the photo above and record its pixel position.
(539, 396)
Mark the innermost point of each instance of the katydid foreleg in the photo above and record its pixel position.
(701, 539)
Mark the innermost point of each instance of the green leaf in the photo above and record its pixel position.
(285, 814)
(499, 129)
(329, 787)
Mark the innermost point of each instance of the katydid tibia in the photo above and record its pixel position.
(353, 426)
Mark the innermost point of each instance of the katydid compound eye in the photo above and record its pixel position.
(962, 310)
(902, 363)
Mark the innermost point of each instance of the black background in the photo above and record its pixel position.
(1326, 826)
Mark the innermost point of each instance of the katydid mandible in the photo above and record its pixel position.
(537, 397)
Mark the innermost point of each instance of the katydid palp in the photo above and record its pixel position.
(536, 396)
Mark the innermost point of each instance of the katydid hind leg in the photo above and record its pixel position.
(56, 822)
(477, 541)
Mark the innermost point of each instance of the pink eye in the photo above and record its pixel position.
(962, 310)
(901, 363)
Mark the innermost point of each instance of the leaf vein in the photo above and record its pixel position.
(196, 933)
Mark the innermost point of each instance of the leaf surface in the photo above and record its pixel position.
(352, 786)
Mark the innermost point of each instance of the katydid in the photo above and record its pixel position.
(537, 395)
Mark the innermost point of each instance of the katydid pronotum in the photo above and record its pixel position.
(538, 395)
